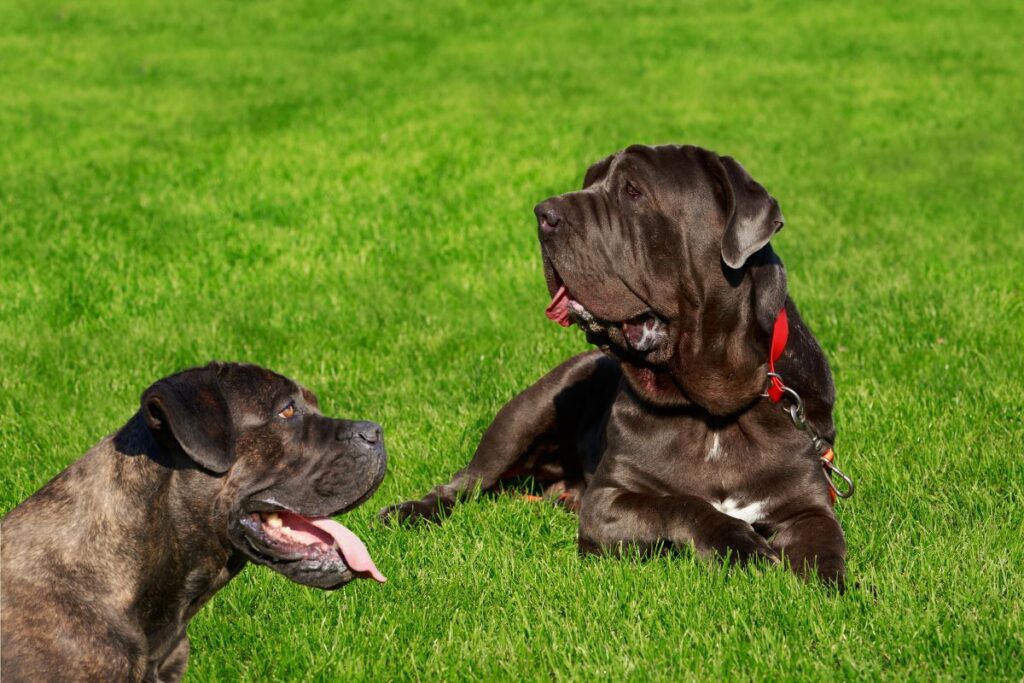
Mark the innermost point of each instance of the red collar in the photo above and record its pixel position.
(780, 335)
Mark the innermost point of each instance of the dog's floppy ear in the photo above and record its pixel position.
(754, 215)
(769, 279)
(189, 409)
(597, 171)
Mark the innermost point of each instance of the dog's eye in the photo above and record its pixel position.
(632, 191)
(288, 412)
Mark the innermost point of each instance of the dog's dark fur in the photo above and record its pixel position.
(103, 567)
(666, 254)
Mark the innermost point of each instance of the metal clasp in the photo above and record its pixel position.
(821, 447)
(764, 394)
(831, 469)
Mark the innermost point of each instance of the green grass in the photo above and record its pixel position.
(344, 194)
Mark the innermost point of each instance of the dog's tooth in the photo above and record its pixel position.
(274, 520)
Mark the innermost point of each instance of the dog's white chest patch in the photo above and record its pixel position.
(715, 452)
(749, 513)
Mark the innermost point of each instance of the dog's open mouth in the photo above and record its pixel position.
(641, 333)
(283, 536)
(565, 309)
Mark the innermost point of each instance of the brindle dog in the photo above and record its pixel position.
(662, 438)
(104, 566)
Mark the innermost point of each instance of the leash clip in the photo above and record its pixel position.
(824, 450)
(828, 464)
(796, 411)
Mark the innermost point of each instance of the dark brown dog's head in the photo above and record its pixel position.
(277, 469)
(663, 259)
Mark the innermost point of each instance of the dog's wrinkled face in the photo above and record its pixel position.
(281, 468)
(655, 240)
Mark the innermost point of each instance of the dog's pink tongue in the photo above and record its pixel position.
(558, 309)
(357, 557)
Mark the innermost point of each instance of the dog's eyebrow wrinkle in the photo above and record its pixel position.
(607, 221)
(602, 214)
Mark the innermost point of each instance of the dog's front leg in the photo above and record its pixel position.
(550, 411)
(172, 669)
(613, 519)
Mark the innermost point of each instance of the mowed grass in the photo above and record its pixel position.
(343, 193)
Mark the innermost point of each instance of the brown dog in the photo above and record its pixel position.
(665, 438)
(104, 566)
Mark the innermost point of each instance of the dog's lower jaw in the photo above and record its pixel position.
(652, 382)
(653, 385)
(662, 387)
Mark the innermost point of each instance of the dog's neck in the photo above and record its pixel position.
(724, 331)
(152, 517)
(718, 367)
(727, 376)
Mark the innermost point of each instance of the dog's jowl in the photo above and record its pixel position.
(663, 438)
(103, 567)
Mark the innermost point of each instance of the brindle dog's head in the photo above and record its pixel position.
(663, 259)
(277, 468)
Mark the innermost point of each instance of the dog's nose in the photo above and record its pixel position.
(369, 432)
(548, 217)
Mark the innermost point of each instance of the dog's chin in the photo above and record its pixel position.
(328, 575)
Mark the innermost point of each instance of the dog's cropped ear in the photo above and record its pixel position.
(309, 397)
(597, 171)
(189, 409)
(754, 215)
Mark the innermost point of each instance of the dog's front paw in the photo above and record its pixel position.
(737, 541)
(430, 510)
(829, 569)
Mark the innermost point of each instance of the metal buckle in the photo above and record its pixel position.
(764, 394)
(831, 469)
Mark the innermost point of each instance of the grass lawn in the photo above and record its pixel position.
(344, 194)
